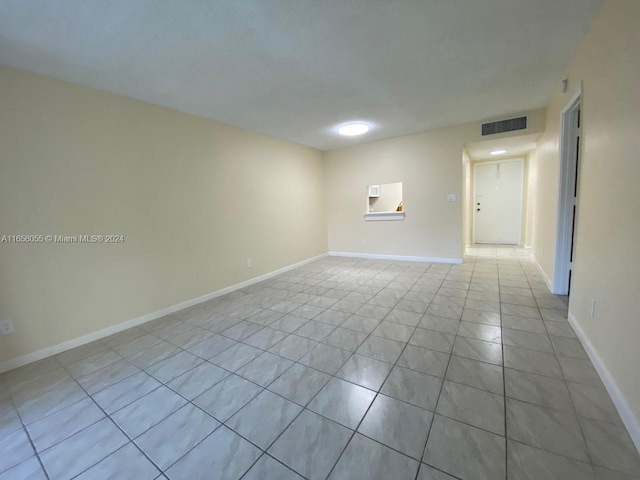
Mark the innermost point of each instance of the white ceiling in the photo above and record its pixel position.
(513, 145)
(295, 69)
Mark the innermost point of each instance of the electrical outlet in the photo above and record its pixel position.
(249, 263)
(451, 197)
(363, 241)
(6, 327)
(592, 311)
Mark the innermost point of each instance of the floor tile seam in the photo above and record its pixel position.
(571, 459)
(367, 337)
(26, 426)
(424, 447)
(406, 367)
(191, 402)
(48, 414)
(504, 392)
(265, 453)
(220, 424)
(543, 449)
(302, 410)
(483, 361)
(575, 411)
(562, 322)
(106, 415)
(561, 379)
(33, 447)
(377, 394)
(445, 379)
(161, 360)
(528, 349)
(304, 407)
(109, 348)
(47, 389)
(124, 378)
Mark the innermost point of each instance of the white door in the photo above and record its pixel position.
(498, 202)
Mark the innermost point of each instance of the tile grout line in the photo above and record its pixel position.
(355, 430)
(152, 333)
(504, 384)
(566, 382)
(24, 427)
(130, 440)
(304, 407)
(424, 449)
(321, 388)
(352, 353)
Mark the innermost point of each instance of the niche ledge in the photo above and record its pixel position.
(383, 216)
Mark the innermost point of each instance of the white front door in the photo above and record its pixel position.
(498, 202)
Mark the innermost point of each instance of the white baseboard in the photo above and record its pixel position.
(528, 247)
(406, 258)
(544, 275)
(92, 337)
(628, 418)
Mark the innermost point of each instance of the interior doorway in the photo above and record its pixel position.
(498, 199)
(568, 196)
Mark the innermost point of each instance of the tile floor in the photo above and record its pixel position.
(344, 368)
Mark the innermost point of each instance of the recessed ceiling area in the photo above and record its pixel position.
(512, 146)
(296, 70)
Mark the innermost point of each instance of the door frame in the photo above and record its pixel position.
(566, 200)
(473, 195)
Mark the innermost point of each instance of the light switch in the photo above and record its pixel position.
(451, 197)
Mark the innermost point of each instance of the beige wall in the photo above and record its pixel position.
(607, 258)
(193, 198)
(430, 166)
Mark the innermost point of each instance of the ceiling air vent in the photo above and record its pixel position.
(502, 126)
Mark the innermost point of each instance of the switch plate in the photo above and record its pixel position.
(592, 311)
(6, 327)
(451, 197)
(249, 263)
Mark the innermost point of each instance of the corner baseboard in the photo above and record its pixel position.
(544, 275)
(92, 337)
(407, 258)
(628, 418)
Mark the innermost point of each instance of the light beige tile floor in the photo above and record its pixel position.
(343, 368)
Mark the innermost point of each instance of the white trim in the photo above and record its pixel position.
(566, 186)
(92, 337)
(546, 279)
(407, 258)
(380, 216)
(626, 413)
(528, 246)
(515, 158)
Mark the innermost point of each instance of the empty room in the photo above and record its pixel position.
(365, 239)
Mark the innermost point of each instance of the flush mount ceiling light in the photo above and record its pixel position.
(353, 129)
(498, 152)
